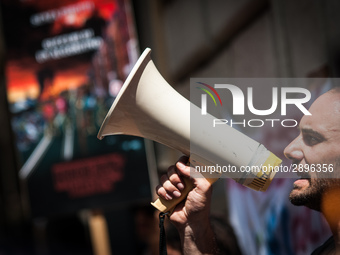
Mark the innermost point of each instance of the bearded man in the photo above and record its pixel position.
(318, 144)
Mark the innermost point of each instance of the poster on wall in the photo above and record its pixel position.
(65, 64)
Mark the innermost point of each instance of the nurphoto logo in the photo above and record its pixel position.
(295, 96)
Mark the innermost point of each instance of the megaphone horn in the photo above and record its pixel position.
(147, 106)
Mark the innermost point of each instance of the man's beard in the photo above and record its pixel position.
(312, 196)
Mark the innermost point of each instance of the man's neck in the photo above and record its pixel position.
(331, 211)
(336, 237)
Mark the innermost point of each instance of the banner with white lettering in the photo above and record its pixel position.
(66, 61)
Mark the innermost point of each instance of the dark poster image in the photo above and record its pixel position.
(65, 63)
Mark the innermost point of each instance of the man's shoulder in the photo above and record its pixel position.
(325, 248)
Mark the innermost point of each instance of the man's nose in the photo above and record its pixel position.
(293, 151)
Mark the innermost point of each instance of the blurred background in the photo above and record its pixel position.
(62, 191)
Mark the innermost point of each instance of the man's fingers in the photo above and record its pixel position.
(167, 189)
(171, 189)
(183, 169)
(184, 159)
(174, 178)
(162, 193)
(171, 183)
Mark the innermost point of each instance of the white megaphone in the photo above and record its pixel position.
(147, 106)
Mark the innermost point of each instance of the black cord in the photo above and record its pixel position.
(162, 237)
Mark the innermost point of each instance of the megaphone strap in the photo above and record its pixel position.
(162, 237)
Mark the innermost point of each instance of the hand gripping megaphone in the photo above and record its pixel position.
(147, 106)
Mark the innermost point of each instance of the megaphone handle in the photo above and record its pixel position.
(168, 205)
